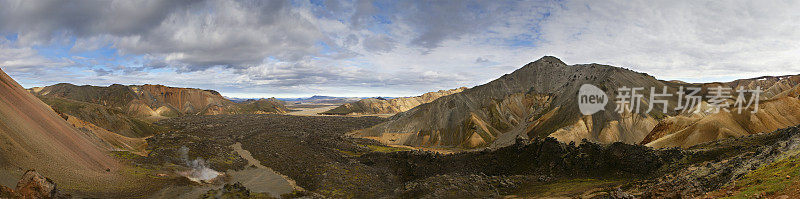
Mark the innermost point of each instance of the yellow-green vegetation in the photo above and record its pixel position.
(349, 153)
(136, 169)
(225, 158)
(372, 148)
(296, 194)
(769, 179)
(384, 149)
(567, 187)
(111, 119)
(143, 128)
(350, 178)
(139, 171)
(124, 155)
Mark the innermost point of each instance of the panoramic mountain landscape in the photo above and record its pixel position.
(399, 99)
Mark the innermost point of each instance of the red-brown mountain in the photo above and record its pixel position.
(33, 136)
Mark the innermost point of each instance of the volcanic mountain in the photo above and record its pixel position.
(540, 100)
(33, 136)
(391, 106)
(155, 101)
(111, 119)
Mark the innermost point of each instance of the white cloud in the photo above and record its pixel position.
(389, 47)
(691, 40)
(26, 61)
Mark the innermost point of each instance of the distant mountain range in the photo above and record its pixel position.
(316, 99)
(381, 105)
(320, 99)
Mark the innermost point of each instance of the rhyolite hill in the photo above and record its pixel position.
(155, 102)
(539, 100)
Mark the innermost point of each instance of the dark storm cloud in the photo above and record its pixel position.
(102, 72)
(433, 22)
(381, 43)
(36, 21)
(192, 34)
(437, 21)
(364, 11)
(235, 34)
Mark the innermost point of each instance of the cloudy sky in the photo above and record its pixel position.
(384, 48)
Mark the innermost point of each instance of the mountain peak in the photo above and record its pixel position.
(552, 59)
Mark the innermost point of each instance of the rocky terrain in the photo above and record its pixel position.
(326, 162)
(389, 106)
(754, 166)
(539, 100)
(313, 151)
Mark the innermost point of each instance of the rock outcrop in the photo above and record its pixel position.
(33, 185)
(391, 106)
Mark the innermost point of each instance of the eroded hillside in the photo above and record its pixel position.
(33, 136)
(540, 100)
(154, 102)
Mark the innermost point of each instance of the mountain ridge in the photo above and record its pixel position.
(540, 100)
(154, 102)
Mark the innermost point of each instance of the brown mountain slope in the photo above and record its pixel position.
(33, 136)
(155, 102)
(540, 99)
(392, 106)
(536, 100)
(685, 132)
(112, 119)
(779, 108)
